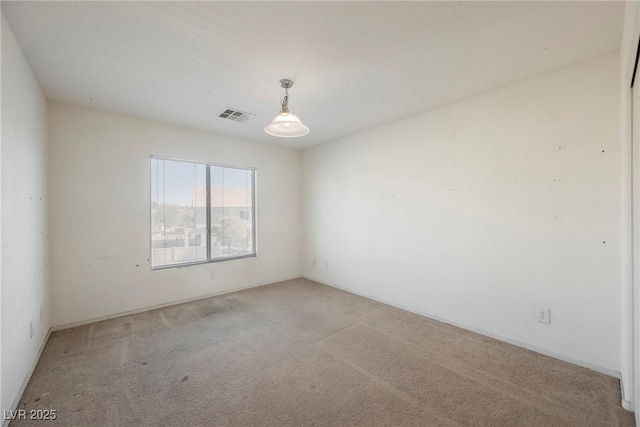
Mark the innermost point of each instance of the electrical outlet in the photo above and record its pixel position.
(31, 329)
(212, 275)
(543, 315)
(313, 261)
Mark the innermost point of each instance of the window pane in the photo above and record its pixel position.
(231, 212)
(178, 212)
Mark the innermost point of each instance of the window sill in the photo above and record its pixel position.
(209, 261)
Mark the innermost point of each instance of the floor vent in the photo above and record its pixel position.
(235, 115)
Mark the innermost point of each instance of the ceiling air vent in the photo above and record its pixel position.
(235, 115)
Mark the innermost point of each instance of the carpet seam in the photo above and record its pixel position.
(351, 324)
(388, 386)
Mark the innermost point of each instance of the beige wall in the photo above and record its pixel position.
(99, 217)
(483, 211)
(25, 287)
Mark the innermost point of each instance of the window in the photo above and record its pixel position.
(200, 212)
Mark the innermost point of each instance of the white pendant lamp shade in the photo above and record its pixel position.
(286, 124)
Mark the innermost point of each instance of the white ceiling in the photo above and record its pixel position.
(356, 65)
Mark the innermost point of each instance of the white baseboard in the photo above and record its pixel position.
(626, 404)
(168, 304)
(508, 340)
(23, 387)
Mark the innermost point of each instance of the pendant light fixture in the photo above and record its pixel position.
(286, 124)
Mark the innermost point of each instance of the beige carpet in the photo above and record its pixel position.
(299, 353)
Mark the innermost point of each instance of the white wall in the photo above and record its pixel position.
(25, 290)
(99, 214)
(482, 211)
